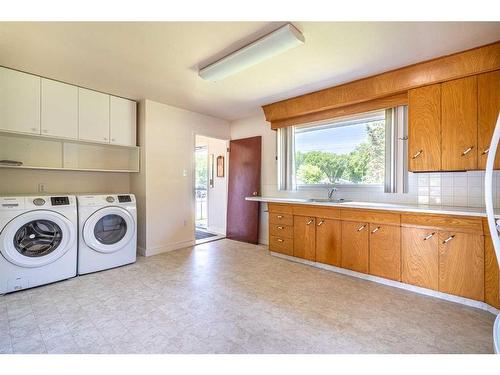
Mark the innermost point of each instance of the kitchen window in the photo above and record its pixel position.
(362, 151)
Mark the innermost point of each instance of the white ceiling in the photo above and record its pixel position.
(159, 61)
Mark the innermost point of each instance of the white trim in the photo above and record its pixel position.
(396, 284)
(165, 248)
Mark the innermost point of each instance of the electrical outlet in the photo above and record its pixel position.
(42, 188)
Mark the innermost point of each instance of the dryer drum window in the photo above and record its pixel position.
(110, 229)
(38, 238)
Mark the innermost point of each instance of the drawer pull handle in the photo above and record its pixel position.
(280, 216)
(279, 240)
(321, 222)
(429, 236)
(417, 154)
(448, 239)
(279, 227)
(375, 230)
(485, 151)
(466, 151)
(361, 227)
(310, 221)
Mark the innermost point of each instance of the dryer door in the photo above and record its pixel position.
(37, 238)
(109, 229)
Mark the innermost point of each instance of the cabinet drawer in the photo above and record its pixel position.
(281, 245)
(279, 208)
(279, 218)
(370, 216)
(281, 230)
(317, 211)
(465, 224)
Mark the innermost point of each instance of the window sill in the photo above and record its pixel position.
(343, 187)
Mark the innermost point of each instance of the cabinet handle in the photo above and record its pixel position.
(485, 151)
(279, 227)
(375, 230)
(362, 227)
(279, 240)
(310, 221)
(44, 131)
(466, 151)
(429, 236)
(105, 138)
(448, 239)
(321, 222)
(34, 129)
(417, 154)
(112, 139)
(279, 216)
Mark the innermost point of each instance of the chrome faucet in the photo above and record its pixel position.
(331, 191)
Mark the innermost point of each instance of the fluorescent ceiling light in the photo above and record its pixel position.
(280, 40)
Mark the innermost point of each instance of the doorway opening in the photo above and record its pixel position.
(210, 188)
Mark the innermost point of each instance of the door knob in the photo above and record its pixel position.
(255, 193)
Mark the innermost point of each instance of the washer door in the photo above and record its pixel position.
(109, 229)
(37, 238)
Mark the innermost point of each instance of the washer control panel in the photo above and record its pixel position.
(58, 201)
(39, 201)
(124, 198)
(110, 199)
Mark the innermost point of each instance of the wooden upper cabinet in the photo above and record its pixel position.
(459, 124)
(419, 257)
(59, 109)
(19, 102)
(461, 264)
(488, 102)
(304, 237)
(328, 241)
(385, 251)
(355, 248)
(424, 129)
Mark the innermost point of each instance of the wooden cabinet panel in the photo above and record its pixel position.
(304, 237)
(424, 128)
(59, 109)
(385, 251)
(419, 257)
(19, 101)
(281, 230)
(467, 224)
(93, 116)
(372, 216)
(328, 241)
(317, 211)
(461, 264)
(281, 245)
(488, 103)
(279, 218)
(491, 275)
(459, 124)
(122, 121)
(355, 250)
(279, 208)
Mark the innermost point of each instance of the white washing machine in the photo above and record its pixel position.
(37, 240)
(107, 231)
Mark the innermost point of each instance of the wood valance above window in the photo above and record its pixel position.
(384, 90)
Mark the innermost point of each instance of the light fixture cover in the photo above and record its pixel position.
(278, 41)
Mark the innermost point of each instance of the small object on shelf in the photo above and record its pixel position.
(14, 163)
(220, 166)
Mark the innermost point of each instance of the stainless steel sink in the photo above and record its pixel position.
(329, 200)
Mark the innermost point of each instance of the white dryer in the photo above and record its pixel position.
(107, 231)
(37, 241)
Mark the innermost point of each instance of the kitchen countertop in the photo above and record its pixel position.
(443, 210)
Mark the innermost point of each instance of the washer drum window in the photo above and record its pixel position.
(37, 238)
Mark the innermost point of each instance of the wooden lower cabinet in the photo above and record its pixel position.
(328, 241)
(281, 245)
(461, 264)
(419, 257)
(491, 275)
(304, 237)
(355, 246)
(385, 251)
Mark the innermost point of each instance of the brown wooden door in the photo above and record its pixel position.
(328, 241)
(459, 124)
(488, 103)
(244, 181)
(355, 248)
(385, 251)
(304, 237)
(424, 128)
(461, 264)
(491, 274)
(419, 257)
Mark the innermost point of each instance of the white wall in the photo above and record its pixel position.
(167, 137)
(457, 188)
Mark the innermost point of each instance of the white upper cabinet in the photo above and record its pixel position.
(122, 121)
(59, 109)
(93, 116)
(19, 101)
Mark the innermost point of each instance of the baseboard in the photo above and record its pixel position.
(165, 248)
(395, 284)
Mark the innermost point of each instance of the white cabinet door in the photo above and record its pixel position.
(59, 109)
(93, 116)
(122, 121)
(19, 101)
